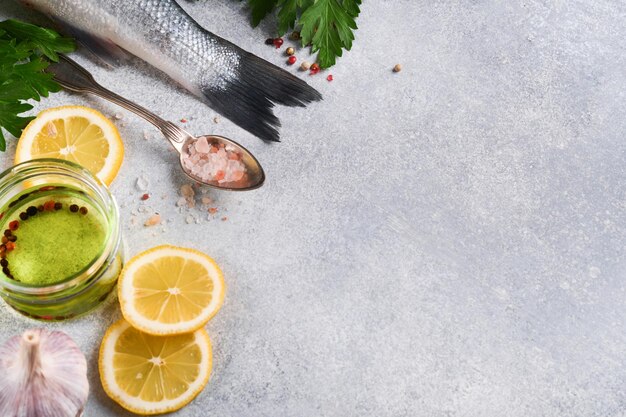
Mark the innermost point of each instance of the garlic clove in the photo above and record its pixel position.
(42, 374)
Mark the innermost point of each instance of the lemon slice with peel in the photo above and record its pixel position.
(170, 290)
(153, 374)
(74, 133)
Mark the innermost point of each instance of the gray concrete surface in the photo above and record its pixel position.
(446, 241)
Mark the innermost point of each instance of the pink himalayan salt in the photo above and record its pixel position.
(211, 162)
(202, 145)
(153, 220)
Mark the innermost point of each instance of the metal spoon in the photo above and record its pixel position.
(74, 77)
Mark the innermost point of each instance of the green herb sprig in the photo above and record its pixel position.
(327, 25)
(25, 51)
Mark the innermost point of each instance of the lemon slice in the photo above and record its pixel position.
(153, 374)
(170, 290)
(74, 133)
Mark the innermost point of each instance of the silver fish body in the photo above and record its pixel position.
(239, 85)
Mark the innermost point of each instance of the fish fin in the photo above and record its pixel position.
(248, 99)
(105, 50)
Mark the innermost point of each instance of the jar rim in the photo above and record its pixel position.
(104, 199)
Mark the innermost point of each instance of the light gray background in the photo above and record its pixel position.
(446, 241)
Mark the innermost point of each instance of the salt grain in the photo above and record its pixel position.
(153, 220)
(202, 145)
(142, 184)
(187, 191)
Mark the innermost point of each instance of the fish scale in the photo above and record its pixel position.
(237, 84)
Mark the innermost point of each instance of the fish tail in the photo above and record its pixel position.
(248, 98)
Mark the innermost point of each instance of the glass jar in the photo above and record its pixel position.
(36, 189)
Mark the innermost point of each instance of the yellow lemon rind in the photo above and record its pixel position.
(116, 151)
(138, 406)
(155, 327)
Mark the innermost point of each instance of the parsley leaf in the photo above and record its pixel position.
(43, 40)
(327, 25)
(25, 52)
(10, 120)
(289, 12)
(260, 8)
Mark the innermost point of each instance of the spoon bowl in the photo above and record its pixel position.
(254, 176)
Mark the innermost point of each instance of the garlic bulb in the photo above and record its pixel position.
(42, 374)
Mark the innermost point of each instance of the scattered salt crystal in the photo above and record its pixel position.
(189, 219)
(198, 220)
(187, 191)
(146, 136)
(118, 116)
(153, 220)
(142, 209)
(142, 183)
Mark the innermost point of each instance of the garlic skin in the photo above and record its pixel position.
(42, 374)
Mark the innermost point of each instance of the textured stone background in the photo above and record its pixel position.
(446, 241)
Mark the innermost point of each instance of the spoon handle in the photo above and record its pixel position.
(70, 75)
